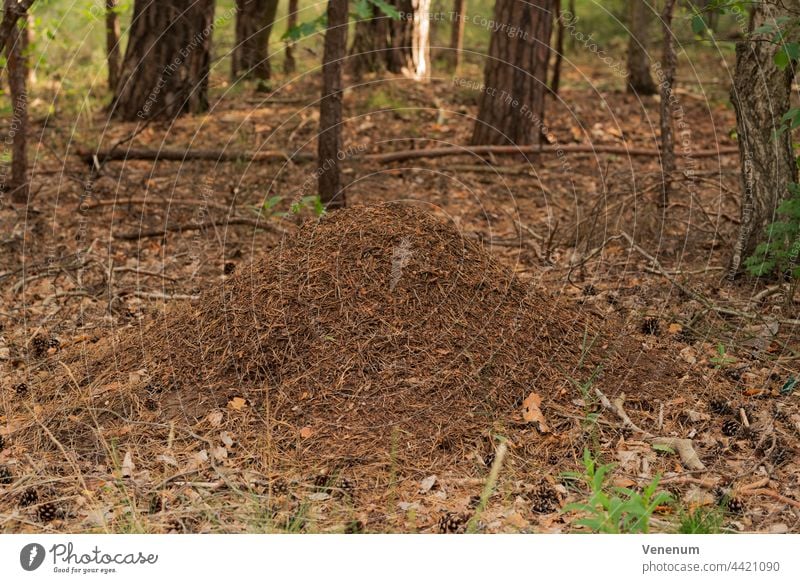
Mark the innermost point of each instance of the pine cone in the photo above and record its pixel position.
(720, 407)
(731, 427)
(452, 523)
(28, 498)
(47, 512)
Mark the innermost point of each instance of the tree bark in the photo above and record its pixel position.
(515, 76)
(254, 22)
(289, 65)
(329, 146)
(112, 43)
(457, 34)
(165, 70)
(399, 46)
(17, 66)
(12, 12)
(555, 83)
(640, 80)
(761, 96)
(668, 102)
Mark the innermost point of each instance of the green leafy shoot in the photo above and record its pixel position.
(614, 510)
(778, 255)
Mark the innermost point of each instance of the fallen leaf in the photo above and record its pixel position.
(674, 328)
(426, 484)
(220, 453)
(532, 413)
(237, 403)
(214, 418)
(226, 438)
(306, 432)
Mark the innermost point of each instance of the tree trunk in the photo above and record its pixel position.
(12, 11)
(112, 43)
(17, 66)
(329, 147)
(165, 70)
(668, 102)
(254, 21)
(457, 34)
(371, 44)
(400, 46)
(555, 83)
(289, 65)
(640, 80)
(761, 96)
(515, 77)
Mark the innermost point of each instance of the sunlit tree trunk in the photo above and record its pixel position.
(398, 45)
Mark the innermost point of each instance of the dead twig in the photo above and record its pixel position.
(260, 224)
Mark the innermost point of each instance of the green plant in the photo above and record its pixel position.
(778, 255)
(614, 510)
(701, 520)
(722, 359)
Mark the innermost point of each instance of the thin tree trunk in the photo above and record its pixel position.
(329, 146)
(254, 22)
(399, 46)
(761, 96)
(640, 80)
(112, 43)
(17, 66)
(515, 76)
(165, 70)
(668, 102)
(457, 34)
(289, 65)
(371, 42)
(555, 83)
(12, 12)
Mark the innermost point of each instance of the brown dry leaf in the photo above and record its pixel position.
(674, 328)
(306, 432)
(237, 403)
(214, 418)
(532, 413)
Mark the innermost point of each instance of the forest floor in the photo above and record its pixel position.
(581, 230)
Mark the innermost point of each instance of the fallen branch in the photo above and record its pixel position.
(512, 150)
(181, 155)
(134, 235)
(772, 494)
(193, 202)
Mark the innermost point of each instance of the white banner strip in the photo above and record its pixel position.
(440, 558)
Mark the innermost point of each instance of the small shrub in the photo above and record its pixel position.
(614, 510)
